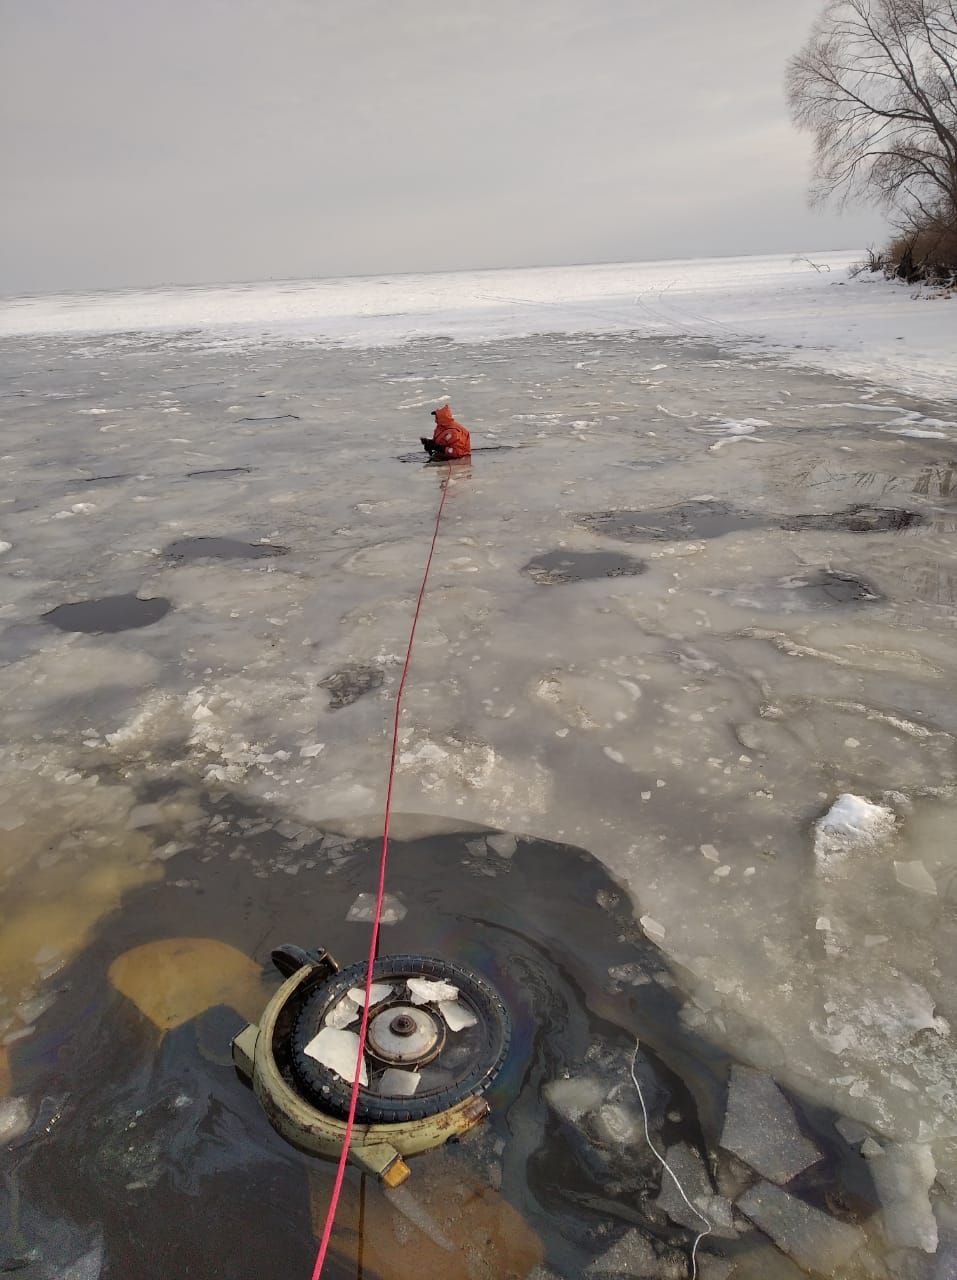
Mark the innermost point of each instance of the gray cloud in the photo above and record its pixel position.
(197, 140)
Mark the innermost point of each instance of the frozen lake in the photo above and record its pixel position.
(686, 595)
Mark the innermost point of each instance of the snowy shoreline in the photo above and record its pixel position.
(778, 305)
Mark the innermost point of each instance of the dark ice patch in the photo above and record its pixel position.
(831, 586)
(696, 520)
(860, 518)
(108, 614)
(684, 522)
(556, 567)
(350, 683)
(221, 549)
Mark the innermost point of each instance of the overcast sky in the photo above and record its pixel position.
(157, 141)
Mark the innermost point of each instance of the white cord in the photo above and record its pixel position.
(665, 1165)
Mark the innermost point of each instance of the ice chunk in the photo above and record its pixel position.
(634, 1255)
(688, 1168)
(362, 910)
(654, 930)
(5, 547)
(378, 991)
(815, 1242)
(851, 1131)
(914, 875)
(711, 1267)
(88, 1267)
(903, 1177)
(759, 1126)
(576, 1097)
(339, 1051)
(402, 1084)
(504, 845)
(424, 991)
(15, 1119)
(457, 1015)
(851, 823)
(711, 853)
(341, 1014)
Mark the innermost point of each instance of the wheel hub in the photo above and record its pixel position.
(405, 1036)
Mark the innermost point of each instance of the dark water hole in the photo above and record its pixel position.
(581, 566)
(705, 519)
(108, 614)
(221, 549)
(857, 519)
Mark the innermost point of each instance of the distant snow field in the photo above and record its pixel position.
(805, 309)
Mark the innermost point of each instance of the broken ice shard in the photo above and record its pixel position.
(760, 1128)
(816, 1242)
(338, 1050)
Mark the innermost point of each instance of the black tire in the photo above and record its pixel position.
(330, 1093)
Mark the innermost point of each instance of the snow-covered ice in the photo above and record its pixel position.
(852, 822)
(776, 303)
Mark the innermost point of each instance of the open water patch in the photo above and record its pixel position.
(556, 567)
(221, 549)
(108, 614)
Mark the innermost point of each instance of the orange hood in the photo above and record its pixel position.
(444, 417)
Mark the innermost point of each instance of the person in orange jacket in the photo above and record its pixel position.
(450, 439)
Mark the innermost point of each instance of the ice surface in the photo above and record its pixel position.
(914, 875)
(339, 1051)
(759, 1126)
(425, 991)
(457, 1015)
(754, 732)
(815, 1241)
(903, 1176)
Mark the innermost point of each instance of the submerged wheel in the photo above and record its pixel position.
(429, 1045)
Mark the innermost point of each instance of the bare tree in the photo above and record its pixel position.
(876, 85)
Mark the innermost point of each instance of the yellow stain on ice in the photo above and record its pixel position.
(60, 914)
(6, 1079)
(175, 979)
(444, 1222)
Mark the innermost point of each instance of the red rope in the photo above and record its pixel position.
(377, 919)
